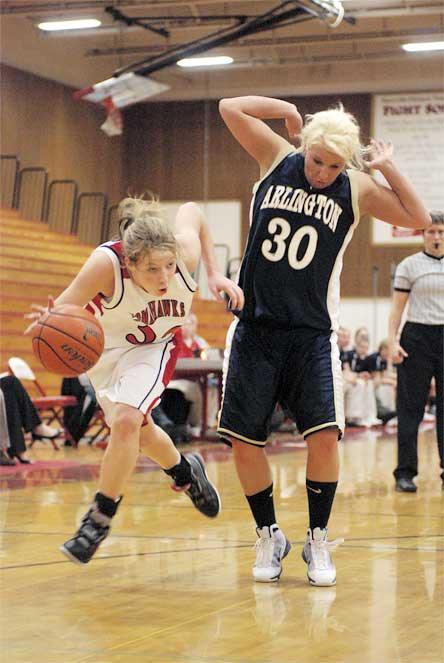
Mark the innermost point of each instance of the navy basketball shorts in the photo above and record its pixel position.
(298, 368)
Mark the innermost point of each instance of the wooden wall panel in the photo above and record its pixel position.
(44, 126)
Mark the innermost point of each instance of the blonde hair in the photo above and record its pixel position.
(338, 132)
(142, 228)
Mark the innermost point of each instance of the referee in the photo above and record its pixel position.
(419, 353)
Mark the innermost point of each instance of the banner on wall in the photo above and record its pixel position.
(414, 123)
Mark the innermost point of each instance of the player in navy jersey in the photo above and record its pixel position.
(140, 288)
(283, 345)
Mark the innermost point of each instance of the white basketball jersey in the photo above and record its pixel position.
(133, 317)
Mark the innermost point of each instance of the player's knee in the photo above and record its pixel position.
(330, 446)
(245, 451)
(324, 442)
(127, 421)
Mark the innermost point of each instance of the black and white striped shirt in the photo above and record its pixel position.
(422, 276)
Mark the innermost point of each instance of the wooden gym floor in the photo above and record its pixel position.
(170, 586)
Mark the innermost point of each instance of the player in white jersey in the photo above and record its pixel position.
(283, 346)
(140, 288)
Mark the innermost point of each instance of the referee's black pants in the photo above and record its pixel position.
(425, 347)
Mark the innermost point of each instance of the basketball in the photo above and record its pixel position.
(68, 340)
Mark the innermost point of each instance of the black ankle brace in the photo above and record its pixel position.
(181, 472)
(107, 505)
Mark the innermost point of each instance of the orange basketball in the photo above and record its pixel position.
(68, 340)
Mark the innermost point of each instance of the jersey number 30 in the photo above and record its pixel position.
(274, 249)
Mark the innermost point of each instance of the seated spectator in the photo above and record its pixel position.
(191, 338)
(344, 341)
(4, 434)
(362, 332)
(76, 418)
(178, 433)
(359, 393)
(384, 380)
(21, 416)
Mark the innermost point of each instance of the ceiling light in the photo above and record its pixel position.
(75, 24)
(424, 46)
(205, 62)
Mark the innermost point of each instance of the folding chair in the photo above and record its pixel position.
(100, 435)
(51, 407)
(85, 419)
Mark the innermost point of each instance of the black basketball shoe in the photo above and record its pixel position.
(93, 530)
(201, 491)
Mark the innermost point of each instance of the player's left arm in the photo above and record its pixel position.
(398, 205)
(194, 241)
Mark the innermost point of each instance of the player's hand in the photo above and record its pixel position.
(37, 312)
(380, 155)
(218, 284)
(398, 354)
(294, 124)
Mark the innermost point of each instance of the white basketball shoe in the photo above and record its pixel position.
(316, 554)
(271, 548)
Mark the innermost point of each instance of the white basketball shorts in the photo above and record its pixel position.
(134, 376)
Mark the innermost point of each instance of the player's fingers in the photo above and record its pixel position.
(233, 296)
(28, 330)
(238, 298)
(216, 294)
(39, 308)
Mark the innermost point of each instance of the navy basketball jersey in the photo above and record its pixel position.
(293, 259)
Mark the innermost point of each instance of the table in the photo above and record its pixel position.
(198, 370)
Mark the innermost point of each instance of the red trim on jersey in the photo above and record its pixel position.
(167, 375)
(171, 364)
(117, 247)
(151, 406)
(97, 301)
(173, 330)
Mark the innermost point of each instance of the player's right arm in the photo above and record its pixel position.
(244, 117)
(96, 275)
